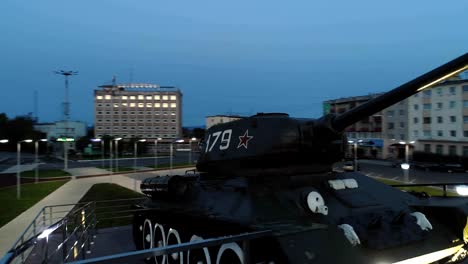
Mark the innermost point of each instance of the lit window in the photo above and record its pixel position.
(173, 97)
(116, 105)
(157, 105)
(124, 97)
(165, 105)
(149, 97)
(157, 97)
(141, 105)
(99, 97)
(132, 97)
(124, 104)
(141, 97)
(173, 105)
(132, 105)
(165, 97)
(173, 113)
(107, 97)
(149, 105)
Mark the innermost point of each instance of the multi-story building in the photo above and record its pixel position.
(146, 111)
(438, 118)
(70, 129)
(435, 119)
(377, 133)
(219, 119)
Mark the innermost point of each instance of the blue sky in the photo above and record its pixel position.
(237, 56)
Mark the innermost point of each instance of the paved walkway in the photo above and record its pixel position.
(23, 167)
(69, 193)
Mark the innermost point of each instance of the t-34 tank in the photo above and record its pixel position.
(273, 172)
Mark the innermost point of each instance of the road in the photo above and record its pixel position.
(385, 170)
(9, 160)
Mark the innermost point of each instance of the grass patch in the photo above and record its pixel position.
(45, 173)
(106, 210)
(30, 194)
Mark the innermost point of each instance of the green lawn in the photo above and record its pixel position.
(110, 191)
(30, 194)
(45, 173)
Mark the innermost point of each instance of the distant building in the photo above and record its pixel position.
(71, 129)
(435, 119)
(220, 119)
(378, 132)
(438, 118)
(146, 111)
(74, 129)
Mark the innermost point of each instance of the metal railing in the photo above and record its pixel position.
(58, 233)
(66, 233)
(443, 186)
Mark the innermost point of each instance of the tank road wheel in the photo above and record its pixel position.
(159, 240)
(197, 256)
(173, 238)
(147, 235)
(230, 253)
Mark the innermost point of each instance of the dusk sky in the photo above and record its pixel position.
(238, 57)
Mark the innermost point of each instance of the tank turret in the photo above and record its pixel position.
(276, 144)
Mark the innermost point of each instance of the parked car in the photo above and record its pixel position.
(349, 166)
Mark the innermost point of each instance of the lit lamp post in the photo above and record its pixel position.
(355, 143)
(135, 148)
(36, 148)
(18, 166)
(117, 154)
(406, 166)
(65, 141)
(156, 153)
(172, 151)
(102, 149)
(190, 152)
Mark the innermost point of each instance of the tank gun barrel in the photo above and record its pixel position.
(427, 80)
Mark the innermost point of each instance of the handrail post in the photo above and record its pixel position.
(64, 237)
(445, 190)
(50, 215)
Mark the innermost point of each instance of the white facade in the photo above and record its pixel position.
(438, 119)
(74, 129)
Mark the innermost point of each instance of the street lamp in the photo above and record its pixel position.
(355, 143)
(406, 166)
(36, 170)
(18, 166)
(135, 148)
(4, 141)
(190, 152)
(65, 141)
(117, 153)
(102, 149)
(172, 151)
(156, 153)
